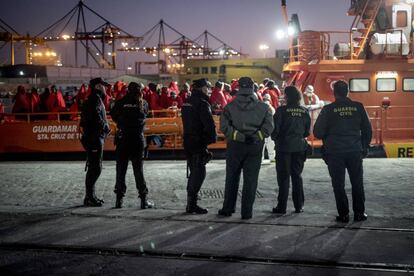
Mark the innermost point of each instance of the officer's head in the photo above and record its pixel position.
(293, 95)
(202, 85)
(98, 86)
(246, 83)
(340, 89)
(135, 88)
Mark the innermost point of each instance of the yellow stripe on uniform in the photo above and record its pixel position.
(260, 135)
(235, 135)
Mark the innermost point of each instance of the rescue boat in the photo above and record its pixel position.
(376, 58)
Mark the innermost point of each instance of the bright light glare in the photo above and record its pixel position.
(280, 34)
(221, 52)
(263, 47)
(291, 31)
(65, 37)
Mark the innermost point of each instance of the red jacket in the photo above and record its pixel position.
(34, 101)
(165, 98)
(21, 104)
(217, 98)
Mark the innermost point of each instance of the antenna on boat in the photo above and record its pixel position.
(284, 12)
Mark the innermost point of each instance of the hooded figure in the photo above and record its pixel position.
(164, 98)
(21, 104)
(153, 97)
(245, 122)
(34, 100)
(218, 100)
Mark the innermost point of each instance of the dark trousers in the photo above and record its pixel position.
(289, 165)
(94, 168)
(246, 157)
(197, 167)
(337, 163)
(124, 153)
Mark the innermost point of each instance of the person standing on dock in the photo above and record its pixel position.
(199, 132)
(245, 122)
(346, 132)
(94, 128)
(129, 114)
(292, 124)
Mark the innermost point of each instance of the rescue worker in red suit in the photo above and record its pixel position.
(55, 102)
(153, 97)
(227, 91)
(173, 87)
(164, 98)
(218, 100)
(108, 97)
(21, 104)
(174, 101)
(34, 100)
(274, 93)
(121, 93)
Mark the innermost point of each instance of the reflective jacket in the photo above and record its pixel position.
(246, 118)
(343, 126)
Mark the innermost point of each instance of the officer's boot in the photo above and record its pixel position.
(145, 203)
(193, 208)
(119, 201)
(90, 199)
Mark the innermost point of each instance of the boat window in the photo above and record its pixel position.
(401, 19)
(196, 70)
(359, 85)
(213, 70)
(408, 84)
(222, 69)
(386, 85)
(204, 70)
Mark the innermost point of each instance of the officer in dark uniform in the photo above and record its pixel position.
(346, 132)
(292, 124)
(94, 128)
(129, 114)
(245, 122)
(199, 131)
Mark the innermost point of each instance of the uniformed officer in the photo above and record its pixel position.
(245, 122)
(129, 114)
(199, 131)
(94, 128)
(346, 132)
(292, 124)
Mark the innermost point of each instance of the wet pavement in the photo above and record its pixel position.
(45, 230)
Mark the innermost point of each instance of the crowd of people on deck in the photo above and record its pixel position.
(158, 97)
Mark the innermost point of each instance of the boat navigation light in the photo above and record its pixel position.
(21, 73)
(386, 74)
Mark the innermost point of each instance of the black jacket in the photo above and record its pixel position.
(130, 119)
(93, 121)
(292, 124)
(343, 126)
(198, 123)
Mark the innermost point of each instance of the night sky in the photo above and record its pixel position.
(243, 24)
